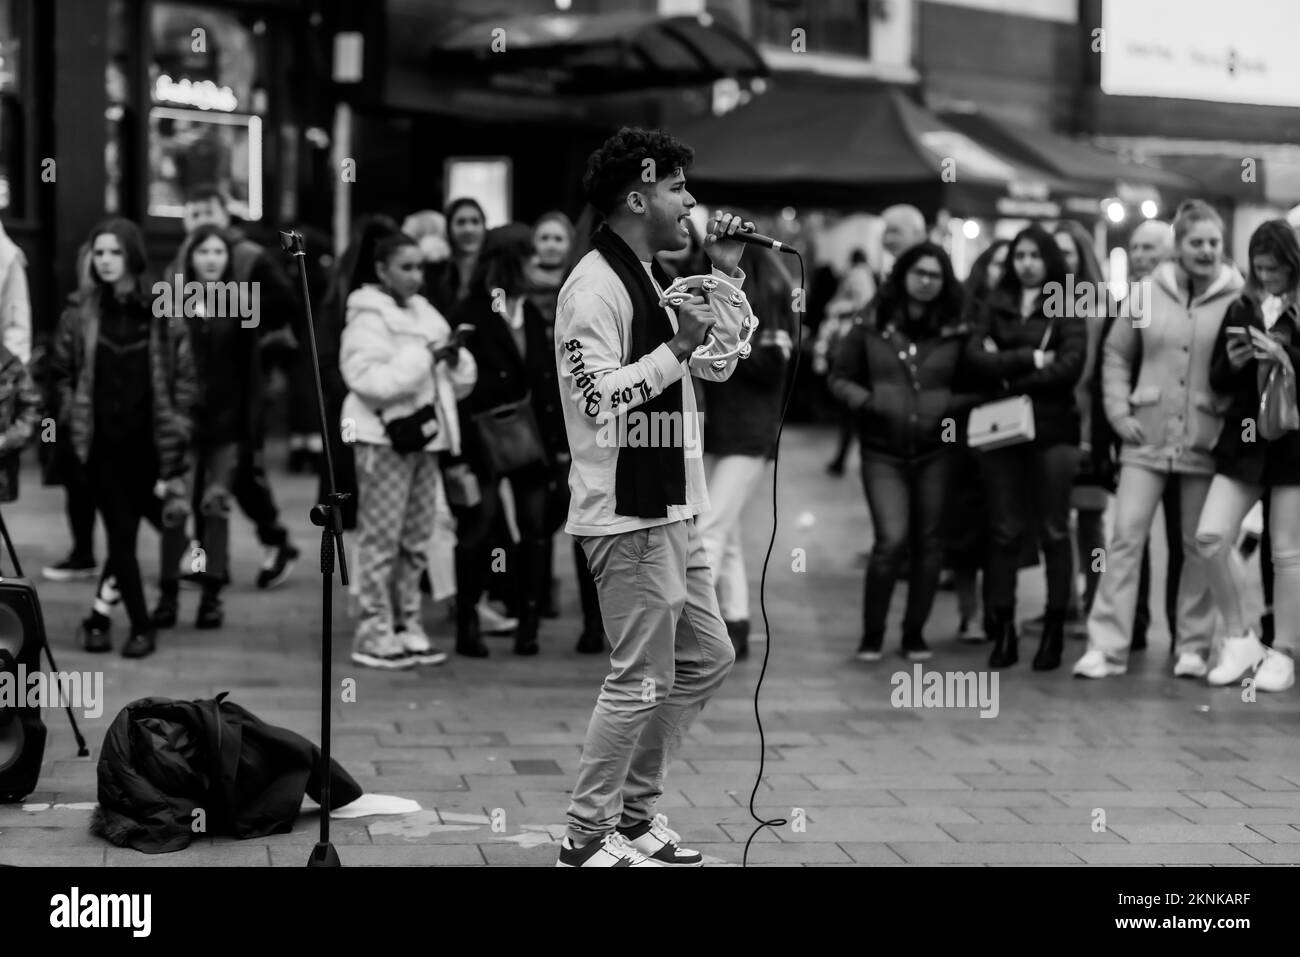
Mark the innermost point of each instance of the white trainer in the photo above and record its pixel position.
(612, 850)
(492, 622)
(1276, 673)
(1095, 664)
(1190, 665)
(1238, 655)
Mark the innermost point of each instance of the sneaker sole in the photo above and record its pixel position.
(1220, 681)
(385, 664)
(64, 575)
(436, 658)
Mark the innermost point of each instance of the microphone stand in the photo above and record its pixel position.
(328, 517)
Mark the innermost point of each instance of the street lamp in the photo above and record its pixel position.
(1115, 211)
(1149, 208)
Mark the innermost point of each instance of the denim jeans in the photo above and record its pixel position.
(1028, 488)
(906, 498)
(670, 654)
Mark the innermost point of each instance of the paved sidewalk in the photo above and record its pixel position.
(1143, 769)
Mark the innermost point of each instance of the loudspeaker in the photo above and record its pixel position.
(22, 732)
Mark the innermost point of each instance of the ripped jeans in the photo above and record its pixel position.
(1226, 505)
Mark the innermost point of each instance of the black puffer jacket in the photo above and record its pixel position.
(164, 760)
(1010, 371)
(1254, 460)
(909, 396)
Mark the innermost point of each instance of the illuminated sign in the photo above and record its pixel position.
(1201, 50)
(204, 95)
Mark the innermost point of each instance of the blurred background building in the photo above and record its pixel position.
(813, 114)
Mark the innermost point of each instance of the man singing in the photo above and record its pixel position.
(622, 355)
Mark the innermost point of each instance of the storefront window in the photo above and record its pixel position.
(11, 111)
(205, 125)
(829, 26)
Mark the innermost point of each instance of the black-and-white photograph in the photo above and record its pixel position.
(652, 433)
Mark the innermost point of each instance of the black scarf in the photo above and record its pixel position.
(647, 480)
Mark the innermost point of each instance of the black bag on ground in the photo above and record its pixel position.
(166, 765)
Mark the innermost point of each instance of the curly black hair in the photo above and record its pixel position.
(620, 162)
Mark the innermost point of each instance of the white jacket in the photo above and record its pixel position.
(599, 383)
(387, 365)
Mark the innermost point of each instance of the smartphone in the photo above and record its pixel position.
(462, 333)
(1239, 331)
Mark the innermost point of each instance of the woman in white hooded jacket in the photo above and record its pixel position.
(405, 375)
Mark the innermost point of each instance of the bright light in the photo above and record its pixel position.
(970, 229)
(788, 214)
(1118, 272)
(1115, 211)
(1149, 208)
(563, 4)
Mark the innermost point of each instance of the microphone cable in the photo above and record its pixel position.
(771, 543)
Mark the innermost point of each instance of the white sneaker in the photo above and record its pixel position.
(417, 643)
(492, 622)
(869, 655)
(1095, 664)
(1238, 655)
(664, 846)
(1190, 665)
(1277, 673)
(612, 850)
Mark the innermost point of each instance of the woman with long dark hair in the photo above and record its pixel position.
(965, 524)
(127, 386)
(741, 419)
(1022, 351)
(227, 407)
(450, 282)
(1093, 481)
(1169, 423)
(1259, 338)
(902, 373)
(405, 374)
(515, 354)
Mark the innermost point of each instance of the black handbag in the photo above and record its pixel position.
(413, 432)
(511, 437)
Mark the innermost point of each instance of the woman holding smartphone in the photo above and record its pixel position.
(1168, 423)
(1260, 338)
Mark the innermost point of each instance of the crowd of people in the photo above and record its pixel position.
(1183, 396)
(437, 343)
(436, 339)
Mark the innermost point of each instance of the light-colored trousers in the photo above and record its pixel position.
(1110, 624)
(670, 654)
(1226, 506)
(732, 481)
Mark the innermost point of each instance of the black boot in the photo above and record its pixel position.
(526, 633)
(738, 632)
(141, 644)
(211, 614)
(165, 612)
(469, 587)
(592, 639)
(1049, 649)
(1006, 651)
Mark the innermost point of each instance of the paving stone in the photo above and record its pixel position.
(955, 853)
(1112, 854)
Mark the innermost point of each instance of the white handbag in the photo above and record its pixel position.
(995, 425)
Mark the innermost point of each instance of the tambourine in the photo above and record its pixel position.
(681, 290)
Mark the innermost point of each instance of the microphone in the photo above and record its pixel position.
(746, 234)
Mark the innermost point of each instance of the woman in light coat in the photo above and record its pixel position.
(1168, 422)
(397, 360)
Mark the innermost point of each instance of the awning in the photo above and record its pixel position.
(1101, 173)
(570, 53)
(850, 145)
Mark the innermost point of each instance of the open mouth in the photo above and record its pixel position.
(683, 224)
